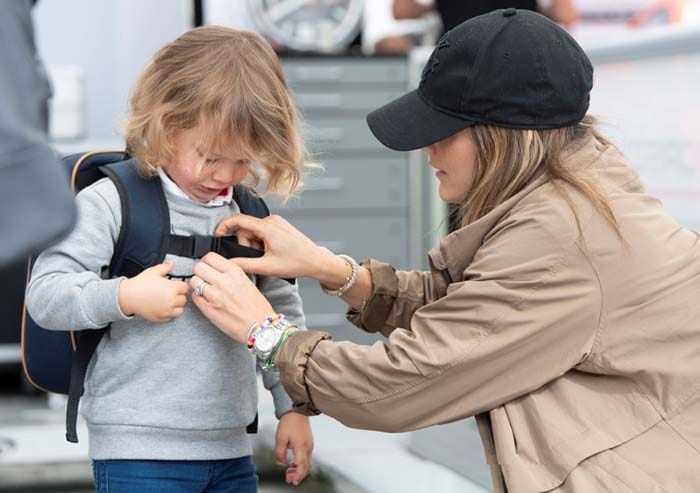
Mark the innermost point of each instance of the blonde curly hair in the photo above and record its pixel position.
(230, 85)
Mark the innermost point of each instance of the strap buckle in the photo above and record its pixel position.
(201, 245)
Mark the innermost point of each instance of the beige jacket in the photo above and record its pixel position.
(580, 360)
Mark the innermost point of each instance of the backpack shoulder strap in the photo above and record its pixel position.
(143, 236)
(249, 203)
(85, 348)
(142, 243)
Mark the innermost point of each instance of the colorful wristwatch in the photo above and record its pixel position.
(265, 338)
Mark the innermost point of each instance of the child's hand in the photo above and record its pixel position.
(294, 432)
(152, 296)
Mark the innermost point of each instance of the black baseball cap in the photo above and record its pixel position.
(509, 68)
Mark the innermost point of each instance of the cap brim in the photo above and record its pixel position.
(408, 123)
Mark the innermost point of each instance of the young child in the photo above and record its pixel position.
(167, 395)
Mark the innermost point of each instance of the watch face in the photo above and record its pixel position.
(266, 339)
(309, 25)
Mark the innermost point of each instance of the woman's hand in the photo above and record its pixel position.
(288, 252)
(230, 300)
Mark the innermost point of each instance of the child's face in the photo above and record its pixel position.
(219, 171)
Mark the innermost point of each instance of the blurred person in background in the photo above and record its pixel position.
(454, 12)
(36, 205)
(396, 26)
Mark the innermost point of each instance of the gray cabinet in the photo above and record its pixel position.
(360, 203)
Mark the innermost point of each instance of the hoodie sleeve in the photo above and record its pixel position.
(66, 290)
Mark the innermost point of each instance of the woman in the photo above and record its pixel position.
(562, 314)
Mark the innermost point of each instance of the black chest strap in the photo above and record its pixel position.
(197, 246)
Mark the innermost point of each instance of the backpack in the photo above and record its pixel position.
(57, 361)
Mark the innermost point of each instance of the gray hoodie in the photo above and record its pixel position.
(180, 390)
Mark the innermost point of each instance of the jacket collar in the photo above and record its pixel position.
(456, 251)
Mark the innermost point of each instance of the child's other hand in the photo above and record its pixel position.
(152, 296)
(294, 432)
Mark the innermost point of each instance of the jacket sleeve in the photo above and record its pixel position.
(284, 298)
(526, 313)
(395, 297)
(66, 290)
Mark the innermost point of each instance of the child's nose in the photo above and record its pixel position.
(224, 174)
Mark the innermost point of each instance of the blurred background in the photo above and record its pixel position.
(343, 58)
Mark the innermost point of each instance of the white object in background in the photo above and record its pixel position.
(647, 89)
(57, 401)
(66, 148)
(227, 13)
(308, 25)
(379, 22)
(66, 111)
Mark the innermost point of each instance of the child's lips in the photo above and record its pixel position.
(212, 190)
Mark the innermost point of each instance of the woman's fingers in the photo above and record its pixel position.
(195, 281)
(244, 239)
(240, 221)
(253, 265)
(214, 269)
(216, 261)
(208, 292)
(207, 309)
(204, 306)
(230, 306)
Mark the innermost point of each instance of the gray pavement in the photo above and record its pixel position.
(33, 452)
(34, 457)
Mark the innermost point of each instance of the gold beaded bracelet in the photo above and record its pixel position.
(349, 281)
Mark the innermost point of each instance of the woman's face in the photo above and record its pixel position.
(454, 158)
(218, 172)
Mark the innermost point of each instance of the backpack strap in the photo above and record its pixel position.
(143, 237)
(249, 203)
(142, 242)
(197, 246)
(87, 344)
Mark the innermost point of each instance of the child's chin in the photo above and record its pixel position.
(200, 197)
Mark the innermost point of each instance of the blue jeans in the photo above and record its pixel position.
(156, 476)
